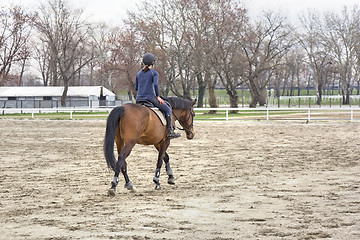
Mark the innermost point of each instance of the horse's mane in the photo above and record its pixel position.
(179, 103)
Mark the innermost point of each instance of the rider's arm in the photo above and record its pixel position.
(136, 83)
(156, 84)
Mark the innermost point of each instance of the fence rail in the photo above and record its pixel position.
(34, 111)
(262, 113)
(347, 113)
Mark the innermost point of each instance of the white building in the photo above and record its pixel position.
(50, 97)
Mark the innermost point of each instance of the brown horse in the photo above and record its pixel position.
(132, 124)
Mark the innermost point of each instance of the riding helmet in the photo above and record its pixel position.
(148, 59)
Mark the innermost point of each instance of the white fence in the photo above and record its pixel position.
(308, 114)
(34, 111)
(346, 112)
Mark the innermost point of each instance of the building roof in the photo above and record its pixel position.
(74, 91)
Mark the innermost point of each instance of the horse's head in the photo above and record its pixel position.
(186, 120)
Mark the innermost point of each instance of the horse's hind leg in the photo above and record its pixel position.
(169, 171)
(156, 178)
(121, 165)
(128, 184)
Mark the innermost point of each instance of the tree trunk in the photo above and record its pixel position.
(54, 74)
(284, 87)
(298, 82)
(234, 98)
(22, 72)
(91, 73)
(255, 93)
(319, 94)
(131, 84)
(292, 84)
(212, 96)
(64, 95)
(308, 85)
(201, 91)
(347, 97)
(262, 97)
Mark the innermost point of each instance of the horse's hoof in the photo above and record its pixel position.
(129, 186)
(156, 181)
(171, 181)
(111, 192)
(158, 187)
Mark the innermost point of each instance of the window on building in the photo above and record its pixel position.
(12, 98)
(47, 98)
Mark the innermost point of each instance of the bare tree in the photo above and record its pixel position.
(15, 29)
(294, 60)
(171, 31)
(174, 22)
(99, 53)
(24, 56)
(42, 57)
(229, 20)
(124, 61)
(357, 66)
(65, 34)
(340, 36)
(264, 45)
(202, 16)
(316, 49)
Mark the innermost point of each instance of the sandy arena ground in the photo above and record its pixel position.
(235, 180)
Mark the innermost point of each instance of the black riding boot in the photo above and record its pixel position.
(171, 134)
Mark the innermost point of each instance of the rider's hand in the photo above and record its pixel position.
(161, 101)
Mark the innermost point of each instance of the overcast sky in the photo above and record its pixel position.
(113, 11)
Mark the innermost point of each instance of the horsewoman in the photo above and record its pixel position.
(147, 89)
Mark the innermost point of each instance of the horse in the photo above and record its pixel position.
(132, 124)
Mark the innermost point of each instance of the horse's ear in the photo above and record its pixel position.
(194, 101)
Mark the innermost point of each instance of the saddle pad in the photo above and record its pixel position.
(160, 115)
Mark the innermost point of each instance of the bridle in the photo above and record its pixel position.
(192, 121)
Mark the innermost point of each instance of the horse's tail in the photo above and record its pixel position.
(111, 126)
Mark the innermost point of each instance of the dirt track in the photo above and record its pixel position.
(235, 180)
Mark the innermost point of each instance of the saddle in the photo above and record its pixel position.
(156, 110)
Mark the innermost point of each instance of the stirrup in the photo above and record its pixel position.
(172, 135)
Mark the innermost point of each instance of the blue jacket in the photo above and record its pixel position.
(146, 84)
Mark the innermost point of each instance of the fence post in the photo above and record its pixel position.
(350, 101)
(309, 115)
(32, 115)
(352, 115)
(227, 114)
(71, 114)
(267, 114)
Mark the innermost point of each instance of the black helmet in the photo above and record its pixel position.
(148, 59)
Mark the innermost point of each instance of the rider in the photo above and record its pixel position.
(145, 85)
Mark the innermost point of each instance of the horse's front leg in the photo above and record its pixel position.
(162, 155)
(169, 171)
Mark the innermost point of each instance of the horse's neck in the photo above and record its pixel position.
(177, 112)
